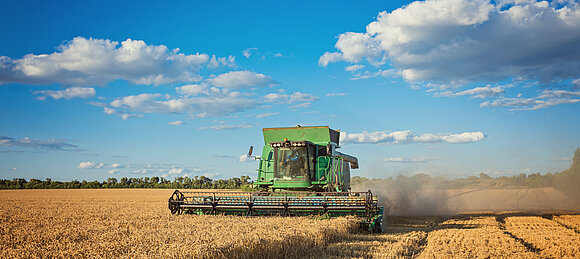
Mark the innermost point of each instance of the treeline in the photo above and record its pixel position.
(567, 181)
(197, 182)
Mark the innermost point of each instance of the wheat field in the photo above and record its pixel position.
(135, 223)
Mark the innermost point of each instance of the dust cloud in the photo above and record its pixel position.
(422, 194)
(407, 196)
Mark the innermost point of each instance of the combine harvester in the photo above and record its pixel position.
(300, 173)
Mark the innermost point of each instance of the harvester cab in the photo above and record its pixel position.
(304, 159)
(300, 173)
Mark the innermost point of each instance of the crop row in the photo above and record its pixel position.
(570, 221)
(554, 240)
(479, 237)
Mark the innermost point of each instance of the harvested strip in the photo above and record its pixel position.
(479, 237)
(376, 246)
(571, 221)
(405, 237)
(553, 239)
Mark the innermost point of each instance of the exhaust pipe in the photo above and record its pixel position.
(351, 159)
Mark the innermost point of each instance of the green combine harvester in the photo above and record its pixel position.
(300, 173)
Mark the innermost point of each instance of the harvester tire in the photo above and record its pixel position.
(377, 228)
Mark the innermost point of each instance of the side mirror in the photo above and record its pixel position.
(329, 150)
(251, 150)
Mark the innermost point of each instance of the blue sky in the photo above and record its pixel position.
(444, 87)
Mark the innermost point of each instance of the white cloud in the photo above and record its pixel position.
(389, 73)
(241, 79)
(214, 62)
(468, 41)
(406, 136)
(54, 144)
(354, 67)
(545, 99)
(302, 97)
(409, 160)
(229, 126)
(329, 57)
(176, 123)
(472, 40)
(85, 62)
(264, 115)
(335, 94)
(69, 93)
(289, 98)
(90, 165)
(576, 84)
(245, 158)
(123, 115)
(218, 102)
(302, 105)
(193, 89)
(483, 92)
(248, 52)
(276, 98)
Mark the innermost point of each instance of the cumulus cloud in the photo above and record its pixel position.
(408, 160)
(289, 98)
(90, 165)
(241, 79)
(199, 101)
(156, 169)
(87, 61)
(53, 144)
(545, 99)
(441, 42)
(216, 103)
(248, 52)
(69, 93)
(214, 62)
(176, 123)
(195, 89)
(123, 115)
(471, 40)
(407, 136)
(354, 67)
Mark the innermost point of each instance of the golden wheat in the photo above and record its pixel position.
(137, 223)
(554, 240)
(479, 237)
(404, 238)
(133, 223)
(571, 221)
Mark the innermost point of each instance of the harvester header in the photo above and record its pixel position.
(300, 173)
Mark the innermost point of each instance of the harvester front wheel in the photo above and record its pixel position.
(173, 207)
(174, 202)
